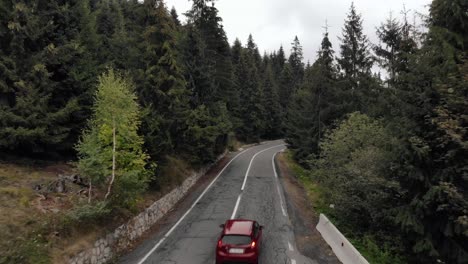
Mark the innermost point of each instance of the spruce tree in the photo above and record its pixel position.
(197, 71)
(278, 62)
(236, 111)
(47, 90)
(316, 107)
(286, 89)
(355, 59)
(390, 35)
(437, 202)
(164, 94)
(296, 62)
(251, 94)
(217, 50)
(214, 76)
(272, 116)
(175, 17)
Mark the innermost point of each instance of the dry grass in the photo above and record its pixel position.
(77, 242)
(32, 225)
(173, 173)
(20, 205)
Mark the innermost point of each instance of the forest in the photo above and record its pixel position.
(391, 151)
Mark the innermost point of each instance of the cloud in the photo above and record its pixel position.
(275, 22)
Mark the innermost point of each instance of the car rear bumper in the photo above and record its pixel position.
(250, 258)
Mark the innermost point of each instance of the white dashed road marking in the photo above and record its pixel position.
(188, 211)
(290, 247)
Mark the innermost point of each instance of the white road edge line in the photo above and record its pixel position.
(277, 185)
(290, 246)
(250, 164)
(188, 211)
(293, 261)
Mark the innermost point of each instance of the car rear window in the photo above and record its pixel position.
(236, 240)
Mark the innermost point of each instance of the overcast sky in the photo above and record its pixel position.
(275, 22)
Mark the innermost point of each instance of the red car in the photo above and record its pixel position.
(239, 242)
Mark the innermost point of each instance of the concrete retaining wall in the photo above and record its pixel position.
(108, 246)
(342, 248)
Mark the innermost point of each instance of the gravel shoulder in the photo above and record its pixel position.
(309, 241)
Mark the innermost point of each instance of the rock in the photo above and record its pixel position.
(107, 252)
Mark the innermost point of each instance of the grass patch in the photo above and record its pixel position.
(314, 191)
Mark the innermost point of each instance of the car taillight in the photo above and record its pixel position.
(252, 245)
(220, 243)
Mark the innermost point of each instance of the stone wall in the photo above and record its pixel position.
(343, 249)
(107, 247)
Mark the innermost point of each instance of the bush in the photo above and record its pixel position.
(89, 213)
(355, 167)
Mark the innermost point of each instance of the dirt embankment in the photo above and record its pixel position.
(303, 216)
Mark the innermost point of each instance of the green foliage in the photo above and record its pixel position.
(370, 249)
(115, 111)
(355, 166)
(296, 62)
(286, 89)
(44, 85)
(355, 59)
(271, 105)
(29, 249)
(89, 214)
(207, 133)
(163, 92)
(252, 112)
(316, 106)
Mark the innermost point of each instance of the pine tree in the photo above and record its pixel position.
(296, 62)
(164, 94)
(355, 59)
(300, 131)
(236, 110)
(278, 62)
(286, 89)
(110, 27)
(197, 70)
(316, 107)
(175, 17)
(251, 94)
(217, 50)
(212, 78)
(390, 35)
(437, 202)
(111, 151)
(272, 117)
(253, 52)
(47, 83)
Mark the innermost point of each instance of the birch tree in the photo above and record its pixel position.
(111, 151)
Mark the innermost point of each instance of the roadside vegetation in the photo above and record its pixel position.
(368, 245)
(390, 155)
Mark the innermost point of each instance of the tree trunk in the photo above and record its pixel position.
(113, 163)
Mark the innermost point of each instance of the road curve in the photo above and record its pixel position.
(190, 236)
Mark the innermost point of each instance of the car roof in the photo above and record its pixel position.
(238, 227)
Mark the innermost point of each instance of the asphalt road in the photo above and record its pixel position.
(189, 236)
